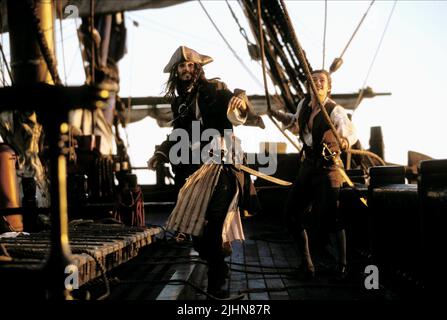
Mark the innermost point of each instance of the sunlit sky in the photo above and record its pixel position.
(411, 64)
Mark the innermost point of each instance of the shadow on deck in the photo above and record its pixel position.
(264, 267)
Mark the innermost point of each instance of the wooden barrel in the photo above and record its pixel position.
(9, 195)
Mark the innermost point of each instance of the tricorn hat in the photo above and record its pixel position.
(186, 54)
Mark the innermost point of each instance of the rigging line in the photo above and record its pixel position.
(165, 27)
(308, 74)
(92, 49)
(356, 29)
(129, 99)
(92, 67)
(62, 40)
(229, 46)
(73, 62)
(306, 34)
(2, 67)
(264, 76)
(324, 33)
(3, 74)
(375, 55)
(6, 63)
(47, 53)
(241, 29)
(80, 48)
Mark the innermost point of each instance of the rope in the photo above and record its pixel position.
(356, 29)
(241, 29)
(117, 281)
(261, 40)
(188, 258)
(92, 62)
(314, 90)
(43, 45)
(229, 46)
(359, 98)
(264, 76)
(3, 57)
(310, 79)
(62, 40)
(6, 63)
(324, 33)
(80, 49)
(92, 53)
(129, 98)
(205, 263)
(368, 154)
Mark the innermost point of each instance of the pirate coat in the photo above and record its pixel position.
(208, 104)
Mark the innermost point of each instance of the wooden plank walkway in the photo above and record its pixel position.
(110, 244)
(264, 267)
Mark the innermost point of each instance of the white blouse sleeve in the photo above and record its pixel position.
(344, 126)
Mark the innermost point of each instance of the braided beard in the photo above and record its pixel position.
(185, 86)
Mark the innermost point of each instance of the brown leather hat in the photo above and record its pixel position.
(186, 54)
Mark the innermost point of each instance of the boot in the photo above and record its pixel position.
(306, 268)
(217, 273)
(216, 290)
(341, 267)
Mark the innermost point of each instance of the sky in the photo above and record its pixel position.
(411, 65)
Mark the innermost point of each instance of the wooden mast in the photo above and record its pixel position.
(30, 66)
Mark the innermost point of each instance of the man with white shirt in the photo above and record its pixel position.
(210, 193)
(318, 182)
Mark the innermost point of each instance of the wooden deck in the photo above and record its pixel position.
(110, 244)
(262, 268)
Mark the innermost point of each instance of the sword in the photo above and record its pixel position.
(264, 176)
(350, 183)
(328, 154)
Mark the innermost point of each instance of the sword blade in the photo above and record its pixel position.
(350, 183)
(264, 176)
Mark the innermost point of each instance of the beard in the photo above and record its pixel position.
(186, 76)
(183, 86)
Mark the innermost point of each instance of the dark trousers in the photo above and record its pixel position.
(315, 190)
(209, 245)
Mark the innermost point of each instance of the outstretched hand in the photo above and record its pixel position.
(155, 160)
(152, 162)
(237, 103)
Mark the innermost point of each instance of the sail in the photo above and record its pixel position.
(81, 8)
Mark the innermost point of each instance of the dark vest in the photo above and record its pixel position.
(319, 125)
(213, 97)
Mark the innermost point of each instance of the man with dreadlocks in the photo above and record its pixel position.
(210, 193)
(318, 181)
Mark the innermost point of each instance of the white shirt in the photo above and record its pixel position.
(345, 128)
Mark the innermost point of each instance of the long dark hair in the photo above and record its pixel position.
(175, 84)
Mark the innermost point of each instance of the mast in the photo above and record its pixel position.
(33, 61)
(27, 62)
